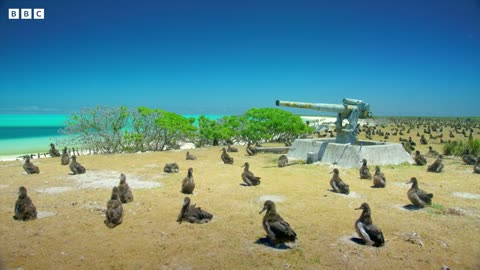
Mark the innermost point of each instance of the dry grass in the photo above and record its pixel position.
(149, 238)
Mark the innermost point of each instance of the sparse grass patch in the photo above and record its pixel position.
(436, 209)
(457, 148)
(437, 206)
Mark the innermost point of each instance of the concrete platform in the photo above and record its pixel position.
(347, 155)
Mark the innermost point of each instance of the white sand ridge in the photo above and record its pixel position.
(466, 195)
(273, 198)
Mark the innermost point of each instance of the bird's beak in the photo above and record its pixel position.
(409, 182)
(359, 208)
(331, 172)
(264, 208)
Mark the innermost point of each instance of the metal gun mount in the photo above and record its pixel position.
(351, 109)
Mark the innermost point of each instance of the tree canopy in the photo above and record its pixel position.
(115, 130)
(272, 124)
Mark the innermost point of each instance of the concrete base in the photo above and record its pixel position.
(347, 155)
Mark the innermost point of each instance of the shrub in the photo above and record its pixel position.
(157, 130)
(457, 148)
(115, 130)
(271, 124)
(100, 128)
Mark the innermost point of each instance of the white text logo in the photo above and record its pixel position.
(26, 13)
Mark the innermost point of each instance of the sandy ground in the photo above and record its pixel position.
(70, 233)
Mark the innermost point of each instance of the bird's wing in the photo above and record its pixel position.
(19, 206)
(200, 213)
(281, 228)
(374, 233)
(426, 197)
(342, 185)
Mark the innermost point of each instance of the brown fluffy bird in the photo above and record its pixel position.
(468, 158)
(419, 159)
(371, 234)
(423, 140)
(193, 214)
(114, 214)
(225, 157)
(124, 192)
(337, 184)
(282, 161)
(75, 167)
(379, 179)
(188, 183)
(277, 229)
(53, 152)
(476, 167)
(190, 156)
(24, 207)
(231, 149)
(171, 168)
(251, 150)
(432, 152)
(29, 167)
(65, 157)
(248, 177)
(364, 171)
(418, 197)
(436, 166)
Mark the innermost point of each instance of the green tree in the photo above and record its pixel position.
(208, 131)
(115, 130)
(271, 124)
(230, 128)
(142, 134)
(222, 130)
(174, 128)
(100, 128)
(158, 130)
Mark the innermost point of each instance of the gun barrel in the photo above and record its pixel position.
(336, 108)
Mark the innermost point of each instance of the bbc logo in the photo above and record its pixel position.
(26, 13)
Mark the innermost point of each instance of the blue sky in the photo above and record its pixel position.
(222, 57)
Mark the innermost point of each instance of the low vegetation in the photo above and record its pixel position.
(117, 130)
(457, 148)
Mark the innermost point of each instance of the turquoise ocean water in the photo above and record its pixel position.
(26, 134)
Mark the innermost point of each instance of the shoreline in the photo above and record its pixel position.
(27, 146)
(41, 145)
(12, 148)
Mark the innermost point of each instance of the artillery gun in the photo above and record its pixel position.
(351, 110)
(346, 150)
